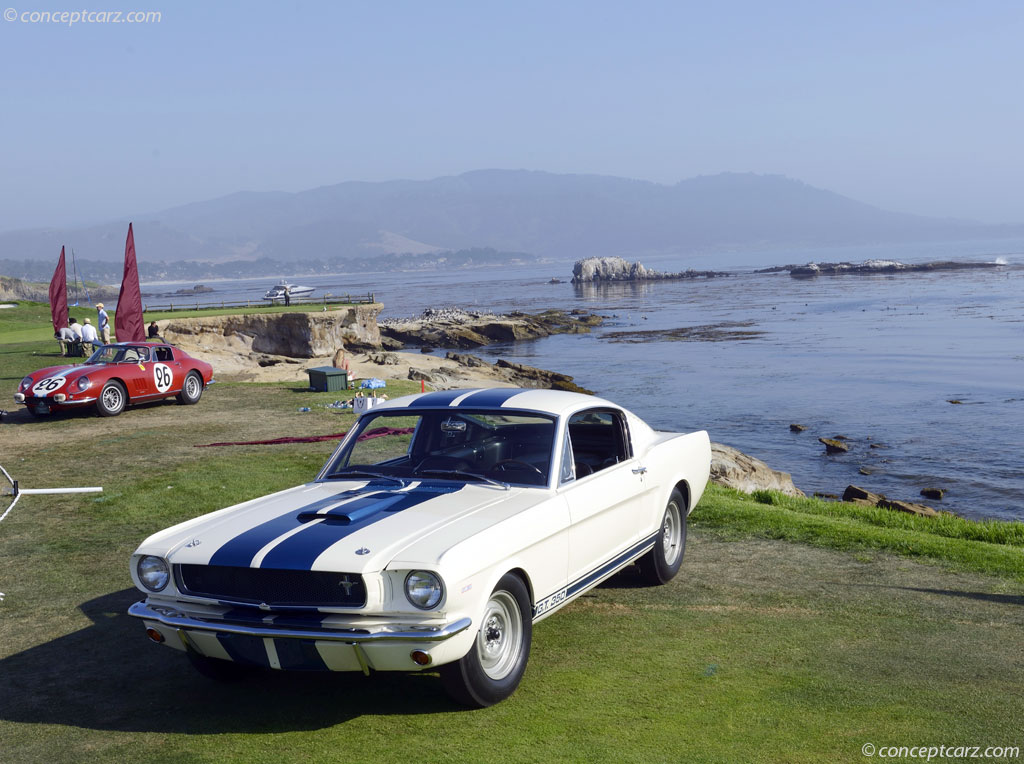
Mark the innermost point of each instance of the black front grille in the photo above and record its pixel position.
(275, 588)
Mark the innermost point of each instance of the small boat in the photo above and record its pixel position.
(278, 292)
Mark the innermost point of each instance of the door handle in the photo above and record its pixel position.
(639, 470)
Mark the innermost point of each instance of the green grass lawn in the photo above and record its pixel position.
(797, 631)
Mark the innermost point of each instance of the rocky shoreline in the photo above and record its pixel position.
(456, 328)
(280, 347)
(16, 289)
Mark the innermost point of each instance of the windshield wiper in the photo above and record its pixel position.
(355, 472)
(460, 473)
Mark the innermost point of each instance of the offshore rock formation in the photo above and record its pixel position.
(618, 269)
(812, 270)
(296, 335)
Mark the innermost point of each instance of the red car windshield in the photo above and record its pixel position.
(120, 354)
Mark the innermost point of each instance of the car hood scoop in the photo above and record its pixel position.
(369, 505)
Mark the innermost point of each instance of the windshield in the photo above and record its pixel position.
(457, 445)
(120, 354)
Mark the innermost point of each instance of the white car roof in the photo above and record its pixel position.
(556, 402)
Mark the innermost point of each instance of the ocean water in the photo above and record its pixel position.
(876, 359)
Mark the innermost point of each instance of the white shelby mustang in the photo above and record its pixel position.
(442, 528)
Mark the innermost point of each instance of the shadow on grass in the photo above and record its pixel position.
(110, 677)
(22, 415)
(999, 599)
(1002, 599)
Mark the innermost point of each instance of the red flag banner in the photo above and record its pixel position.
(128, 323)
(59, 295)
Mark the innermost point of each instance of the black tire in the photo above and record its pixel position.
(218, 669)
(191, 389)
(660, 565)
(113, 398)
(491, 670)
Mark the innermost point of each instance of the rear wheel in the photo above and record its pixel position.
(112, 399)
(660, 565)
(491, 670)
(191, 389)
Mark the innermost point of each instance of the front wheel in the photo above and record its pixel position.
(491, 670)
(660, 565)
(112, 399)
(191, 389)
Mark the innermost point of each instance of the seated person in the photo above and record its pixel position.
(89, 335)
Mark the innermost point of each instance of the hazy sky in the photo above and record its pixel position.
(911, 106)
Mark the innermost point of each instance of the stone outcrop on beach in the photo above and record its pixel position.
(619, 269)
(856, 495)
(455, 328)
(735, 469)
(811, 270)
(458, 369)
(296, 335)
(834, 445)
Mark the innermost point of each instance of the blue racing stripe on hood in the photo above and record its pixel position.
(488, 398)
(299, 551)
(239, 551)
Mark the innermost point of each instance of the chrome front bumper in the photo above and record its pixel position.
(175, 619)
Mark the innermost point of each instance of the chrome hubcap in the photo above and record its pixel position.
(672, 534)
(112, 398)
(191, 387)
(501, 635)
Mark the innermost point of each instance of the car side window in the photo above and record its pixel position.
(598, 440)
(163, 354)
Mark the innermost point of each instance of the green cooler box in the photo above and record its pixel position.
(327, 379)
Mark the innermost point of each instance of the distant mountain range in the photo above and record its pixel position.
(561, 217)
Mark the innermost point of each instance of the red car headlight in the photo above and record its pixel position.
(83, 383)
(26, 383)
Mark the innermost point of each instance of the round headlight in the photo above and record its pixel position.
(83, 382)
(423, 589)
(26, 382)
(153, 573)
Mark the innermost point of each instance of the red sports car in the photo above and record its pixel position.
(114, 376)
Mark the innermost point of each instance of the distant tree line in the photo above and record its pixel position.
(109, 272)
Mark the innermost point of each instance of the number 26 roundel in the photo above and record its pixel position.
(163, 377)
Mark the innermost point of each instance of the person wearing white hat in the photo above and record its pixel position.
(104, 323)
